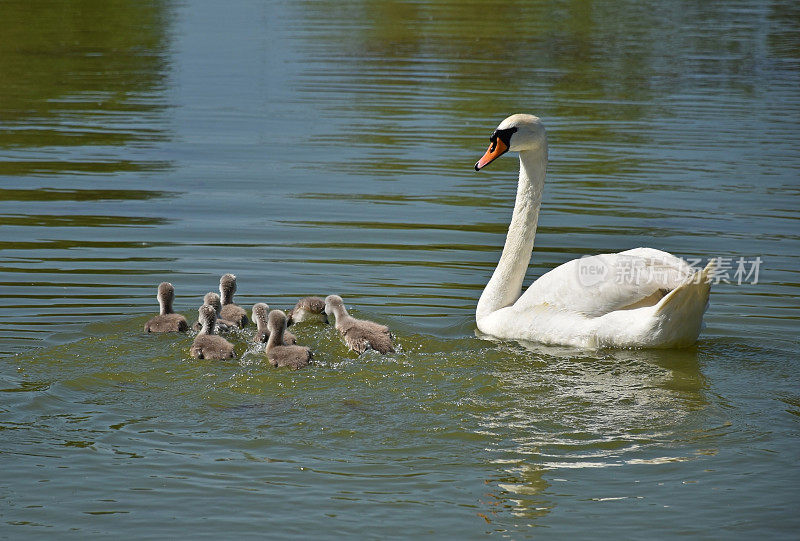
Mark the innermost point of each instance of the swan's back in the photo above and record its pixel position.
(212, 347)
(601, 284)
(167, 323)
(361, 335)
(307, 309)
(662, 320)
(291, 356)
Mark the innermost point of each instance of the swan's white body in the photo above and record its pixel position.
(637, 298)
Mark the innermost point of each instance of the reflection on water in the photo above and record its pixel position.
(313, 150)
(573, 411)
(81, 105)
(79, 80)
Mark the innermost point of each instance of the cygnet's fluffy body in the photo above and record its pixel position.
(359, 334)
(222, 325)
(167, 320)
(231, 312)
(208, 345)
(307, 309)
(293, 357)
(260, 314)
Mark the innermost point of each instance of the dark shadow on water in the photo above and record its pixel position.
(49, 194)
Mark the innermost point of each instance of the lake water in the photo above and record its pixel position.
(316, 148)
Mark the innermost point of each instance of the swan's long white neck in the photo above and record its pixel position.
(505, 286)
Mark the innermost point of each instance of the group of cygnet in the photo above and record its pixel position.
(219, 314)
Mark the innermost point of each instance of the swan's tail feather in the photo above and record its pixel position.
(692, 293)
(681, 310)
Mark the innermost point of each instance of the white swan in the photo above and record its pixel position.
(637, 298)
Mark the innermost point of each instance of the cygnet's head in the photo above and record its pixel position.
(227, 287)
(212, 299)
(165, 292)
(516, 133)
(277, 322)
(260, 311)
(207, 317)
(165, 296)
(332, 304)
(314, 305)
(307, 308)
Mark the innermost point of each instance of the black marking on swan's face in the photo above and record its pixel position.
(503, 135)
(499, 144)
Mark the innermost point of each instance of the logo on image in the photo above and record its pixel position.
(592, 270)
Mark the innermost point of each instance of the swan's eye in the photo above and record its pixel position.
(493, 140)
(503, 135)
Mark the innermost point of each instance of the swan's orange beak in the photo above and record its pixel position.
(495, 150)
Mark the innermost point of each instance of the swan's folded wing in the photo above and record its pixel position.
(596, 285)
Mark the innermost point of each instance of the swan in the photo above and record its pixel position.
(231, 312)
(281, 355)
(307, 309)
(260, 313)
(167, 320)
(639, 298)
(359, 334)
(208, 345)
(222, 325)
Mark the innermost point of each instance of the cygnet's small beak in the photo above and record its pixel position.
(496, 149)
